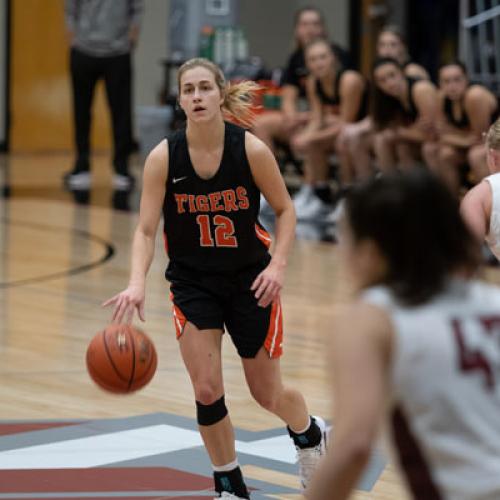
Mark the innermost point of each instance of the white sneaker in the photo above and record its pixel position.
(308, 458)
(78, 180)
(336, 214)
(314, 209)
(122, 182)
(302, 196)
(226, 494)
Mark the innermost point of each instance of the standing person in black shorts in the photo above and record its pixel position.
(102, 35)
(206, 180)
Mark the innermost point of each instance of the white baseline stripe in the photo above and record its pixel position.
(102, 449)
(105, 449)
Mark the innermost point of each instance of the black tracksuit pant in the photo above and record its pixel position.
(116, 71)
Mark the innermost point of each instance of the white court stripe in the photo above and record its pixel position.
(102, 449)
(277, 448)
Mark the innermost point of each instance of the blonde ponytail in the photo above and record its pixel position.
(493, 136)
(239, 101)
(239, 98)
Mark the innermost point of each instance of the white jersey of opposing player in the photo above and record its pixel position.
(445, 404)
(493, 236)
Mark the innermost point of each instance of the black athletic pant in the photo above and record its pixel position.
(85, 72)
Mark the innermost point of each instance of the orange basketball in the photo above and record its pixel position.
(121, 359)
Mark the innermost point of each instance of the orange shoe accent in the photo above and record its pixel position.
(263, 236)
(274, 338)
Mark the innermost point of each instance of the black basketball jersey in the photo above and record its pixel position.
(461, 123)
(334, 101)
(464, 122)
(212, 224)
(324, 97)
(410, 114)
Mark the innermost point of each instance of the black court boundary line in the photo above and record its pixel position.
(110, 252)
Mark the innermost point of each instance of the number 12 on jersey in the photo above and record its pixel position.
(222, 236)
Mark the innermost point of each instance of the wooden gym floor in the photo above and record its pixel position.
(61, 255)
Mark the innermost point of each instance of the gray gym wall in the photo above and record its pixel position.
(152, 48)
(268, 25)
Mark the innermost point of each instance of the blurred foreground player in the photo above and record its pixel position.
(481, 205)
(419, 347)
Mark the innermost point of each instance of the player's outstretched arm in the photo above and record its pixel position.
(268, 179)
(476, 208)
(153, 194)
(359, 360)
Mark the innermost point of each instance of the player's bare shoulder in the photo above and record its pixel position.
(156, 164)
(257, 150)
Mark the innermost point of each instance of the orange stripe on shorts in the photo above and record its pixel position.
(274, 338)
(263, 236)
(165, 242)
(179, 318)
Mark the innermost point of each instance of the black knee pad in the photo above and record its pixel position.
(211, 414)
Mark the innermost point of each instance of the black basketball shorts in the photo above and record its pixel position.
(225, 301)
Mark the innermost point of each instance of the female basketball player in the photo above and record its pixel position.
(391, 43)
(465, 113)
(481, 205)
(419, 347)
(281, 126)
(206, 180)
(404, 114)
(336, 98)
(358, 137)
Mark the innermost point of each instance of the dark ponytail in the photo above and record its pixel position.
(415, 221)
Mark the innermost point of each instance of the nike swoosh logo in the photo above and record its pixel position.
(175, 181)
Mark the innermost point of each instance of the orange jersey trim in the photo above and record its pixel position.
(263, 236)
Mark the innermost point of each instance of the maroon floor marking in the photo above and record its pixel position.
(131, 498)
(101, 479)
(6, 429)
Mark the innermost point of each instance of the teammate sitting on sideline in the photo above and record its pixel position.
(337, 98)
(420, 346)
(358, 137)
(481, 205)
(465, 113)
(404, 111)
(206, 180)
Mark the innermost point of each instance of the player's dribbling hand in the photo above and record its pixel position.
(125, 303)
(268, 284)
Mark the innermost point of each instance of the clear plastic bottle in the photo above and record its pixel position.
(219, 46)
(241, 45)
